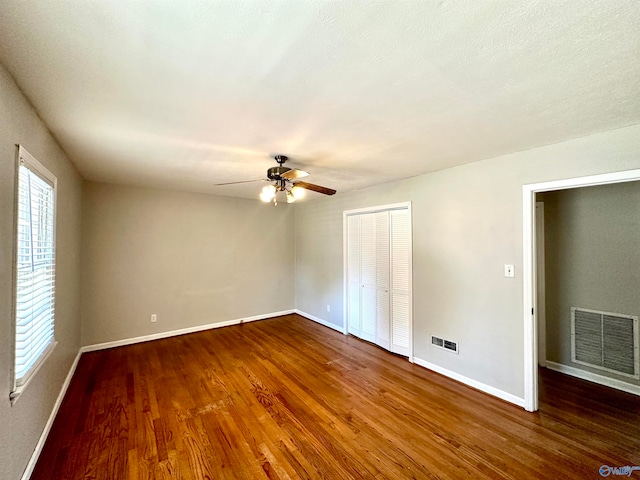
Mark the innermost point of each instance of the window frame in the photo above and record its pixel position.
(24, 158)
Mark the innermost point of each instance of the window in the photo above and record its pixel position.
(35, 269)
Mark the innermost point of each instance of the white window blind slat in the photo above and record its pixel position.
(34, 321)
(38, 343)
(34, 297)
(35, 272)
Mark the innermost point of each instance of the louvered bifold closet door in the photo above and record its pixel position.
(400, 282)
(368, 277)
(353, 274)
(383, 314)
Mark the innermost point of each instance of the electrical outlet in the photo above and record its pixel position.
(154, 318)
(509, 271)
(328, 308)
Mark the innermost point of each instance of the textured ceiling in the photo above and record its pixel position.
(185, 94)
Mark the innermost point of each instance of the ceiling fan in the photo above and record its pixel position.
(283, 181)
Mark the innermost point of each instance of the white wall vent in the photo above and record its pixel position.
(606, 341)
(445, 344)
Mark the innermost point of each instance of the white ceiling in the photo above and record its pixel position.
(186, 94)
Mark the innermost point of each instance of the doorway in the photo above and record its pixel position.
(530, 270)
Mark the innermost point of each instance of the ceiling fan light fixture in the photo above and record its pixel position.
(297, 192)
(268, 192)
(283, 185)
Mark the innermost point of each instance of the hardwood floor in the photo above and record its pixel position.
(288, 398)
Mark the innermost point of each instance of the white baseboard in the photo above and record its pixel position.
(508, 397)
(181, 331)
(47, 428)
(319, 320)
(594, 377)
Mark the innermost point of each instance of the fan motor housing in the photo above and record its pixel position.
(275, 173)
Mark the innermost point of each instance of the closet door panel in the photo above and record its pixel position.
(368, 314)
(401, 337)
(400, 325)
(353, 291)
(368, 277)
(353, 275)
(382, 250)
(368, 250)
(383, 323)
(383, 313)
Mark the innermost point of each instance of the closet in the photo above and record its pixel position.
(378, 276)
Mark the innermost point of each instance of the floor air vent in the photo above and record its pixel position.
(445, 344)
(607, 341)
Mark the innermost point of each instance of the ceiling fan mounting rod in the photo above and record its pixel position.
(281, 159)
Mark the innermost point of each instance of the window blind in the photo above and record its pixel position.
(35, 267)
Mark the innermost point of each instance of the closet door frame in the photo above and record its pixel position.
(359, 211)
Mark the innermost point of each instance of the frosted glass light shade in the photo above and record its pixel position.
(297, 192)
(268, 192)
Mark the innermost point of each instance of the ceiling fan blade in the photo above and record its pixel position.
(235, 183)
(315, 188)
(293, 174)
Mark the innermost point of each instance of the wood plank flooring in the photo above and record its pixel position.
(288, 398)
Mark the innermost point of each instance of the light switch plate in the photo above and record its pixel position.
(509, 271)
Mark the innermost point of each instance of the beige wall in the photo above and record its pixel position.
(467, 223)
(191, 259)
(592, 260)
(23, 422)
